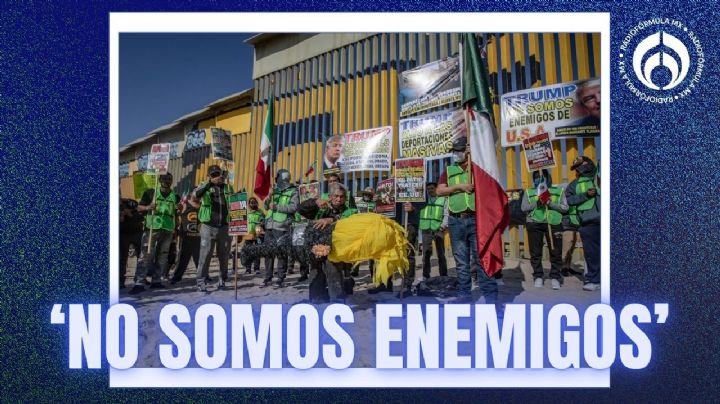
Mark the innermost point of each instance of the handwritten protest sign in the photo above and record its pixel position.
(159, 158)
(237, 210)
(410, 180)
(539, 152)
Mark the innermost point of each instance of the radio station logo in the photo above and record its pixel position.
(661, 60)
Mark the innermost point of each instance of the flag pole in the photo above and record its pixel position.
(552, 244)
(237, 267)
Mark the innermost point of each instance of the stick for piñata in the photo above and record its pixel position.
(152, 213)
(237, 268)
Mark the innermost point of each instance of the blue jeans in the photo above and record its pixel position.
(463, 235)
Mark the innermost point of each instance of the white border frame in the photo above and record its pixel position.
(356, 22)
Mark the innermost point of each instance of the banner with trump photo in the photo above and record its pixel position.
(369, 149)
(563, 110)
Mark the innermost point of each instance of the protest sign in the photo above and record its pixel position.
(562, 110)
(195, 139)
(431, 136)
(430, 85)
(539, 152)
(309, 191)
(221, 141)
(142, 182)
(237, 209)
(410, 180)
(385, 194)
(369, 149)
(159, 159)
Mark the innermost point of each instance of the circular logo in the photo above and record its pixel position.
(661, 60)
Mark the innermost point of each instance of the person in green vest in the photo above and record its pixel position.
(256, 218)
(433, 223)
(544, 220)
(454, 183)
(214, 218)
(160, 212)
(583, 197)
(328, 281)
(282, 205)
(334, 178)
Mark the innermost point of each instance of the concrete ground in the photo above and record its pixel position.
(517, 277)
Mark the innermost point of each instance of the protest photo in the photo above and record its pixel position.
(387, 219)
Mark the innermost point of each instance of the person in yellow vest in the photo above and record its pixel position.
(214, 218)
(283, 203)
(539, 214)
(160, 217)
(583, 197)
(455, 184)
(433, 222)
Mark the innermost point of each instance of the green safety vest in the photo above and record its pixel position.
(431, 216)
(346, 213)
(254, 219)
(545, 214)
(581, 186)
(459, 201)
(164, 216)
(206, 204)
(282, 200)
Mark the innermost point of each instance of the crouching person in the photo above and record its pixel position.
(329, 281)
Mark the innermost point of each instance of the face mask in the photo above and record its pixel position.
(585, 169)
(458, 157)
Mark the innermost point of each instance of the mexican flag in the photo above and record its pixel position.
(262, 169)
(491, 204)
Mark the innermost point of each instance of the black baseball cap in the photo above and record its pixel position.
(214, 169)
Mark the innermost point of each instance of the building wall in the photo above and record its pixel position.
(355, 87)
(190, 169)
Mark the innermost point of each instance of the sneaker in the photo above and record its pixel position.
(266, 283)
(500, 282)
(221, 284)
(136, 289)
(248, 271)
(591, 287)
(539, 282)
(555, 284)
(157, 285)
(279, 283)
(202, 287)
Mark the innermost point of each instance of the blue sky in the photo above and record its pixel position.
(165, 76)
